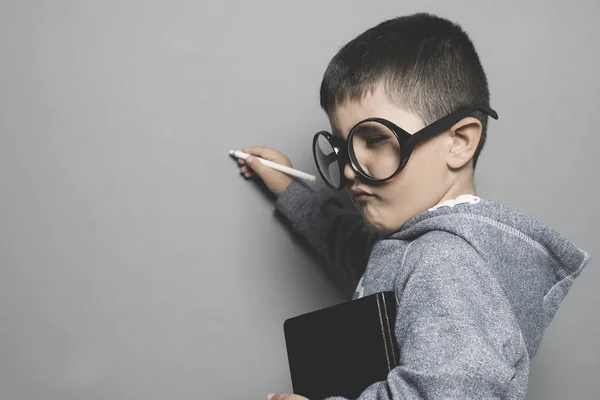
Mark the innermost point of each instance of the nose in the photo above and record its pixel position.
(349, 172)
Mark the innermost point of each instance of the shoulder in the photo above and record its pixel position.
(438, 253)
(438, 245)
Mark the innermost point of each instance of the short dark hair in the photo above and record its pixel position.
(427, 64)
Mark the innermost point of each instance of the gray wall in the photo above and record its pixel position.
(136, 262)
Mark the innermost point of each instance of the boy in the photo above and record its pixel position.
(476, 283)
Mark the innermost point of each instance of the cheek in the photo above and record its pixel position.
(420, 183)
(426, 168)
(418, 187)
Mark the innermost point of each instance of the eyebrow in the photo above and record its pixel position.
(367, 128)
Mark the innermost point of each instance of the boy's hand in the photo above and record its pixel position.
(285, 396)
(276, 181)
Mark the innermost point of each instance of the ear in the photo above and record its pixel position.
(465, 136)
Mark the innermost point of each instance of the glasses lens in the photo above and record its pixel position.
(327, 161)
(376, 150)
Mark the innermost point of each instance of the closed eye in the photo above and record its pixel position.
(375, 140)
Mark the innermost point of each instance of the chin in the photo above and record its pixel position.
(379, 222)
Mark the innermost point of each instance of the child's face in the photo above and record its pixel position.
(425, 181)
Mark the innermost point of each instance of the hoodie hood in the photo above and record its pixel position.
(534, 264)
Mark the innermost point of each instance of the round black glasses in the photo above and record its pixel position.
(377, 149)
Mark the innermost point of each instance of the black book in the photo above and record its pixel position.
(342, 349)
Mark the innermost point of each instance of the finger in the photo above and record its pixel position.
(263, 152)
(256, 167)
(241, 161)
(282, 396)
(254, 164)
(246, 168)
(255, 149)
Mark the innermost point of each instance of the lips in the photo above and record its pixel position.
(360, 194)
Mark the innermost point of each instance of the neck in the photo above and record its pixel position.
(460, 187)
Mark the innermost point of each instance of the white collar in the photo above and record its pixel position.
(464, 198)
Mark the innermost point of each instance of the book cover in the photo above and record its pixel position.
(342, 349)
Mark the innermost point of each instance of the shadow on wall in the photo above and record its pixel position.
(345, 286)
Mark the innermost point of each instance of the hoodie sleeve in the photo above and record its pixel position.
(337, 233)
(457, 335)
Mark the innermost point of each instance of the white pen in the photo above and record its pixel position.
(274, 165)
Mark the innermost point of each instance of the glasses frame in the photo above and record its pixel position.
(344, 152)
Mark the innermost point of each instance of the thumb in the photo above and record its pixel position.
(276, 181)
(256, 165)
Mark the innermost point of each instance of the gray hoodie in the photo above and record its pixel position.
(476, 285)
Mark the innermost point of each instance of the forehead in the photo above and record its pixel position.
(376, 104)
